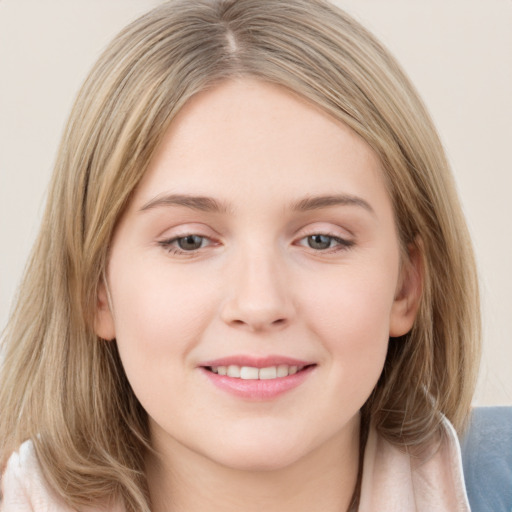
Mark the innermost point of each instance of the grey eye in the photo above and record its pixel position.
(190, 242)
(320, 242)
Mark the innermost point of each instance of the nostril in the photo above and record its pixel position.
(258, 324)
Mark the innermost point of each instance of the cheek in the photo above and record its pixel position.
(356, 304)
(158, 313)
(159, 318)
(352, 318)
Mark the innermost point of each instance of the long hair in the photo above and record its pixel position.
(64, 388)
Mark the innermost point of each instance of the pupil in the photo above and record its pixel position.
(190, 242)
(319, 241)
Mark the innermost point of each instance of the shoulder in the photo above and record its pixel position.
(487, 459)
(23, 486)
(396, 481)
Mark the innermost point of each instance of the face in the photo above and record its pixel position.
(255, 279)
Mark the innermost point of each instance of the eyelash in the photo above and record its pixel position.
(342, 243)
(171, 248)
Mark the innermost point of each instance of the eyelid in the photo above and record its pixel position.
(181, 229)
(325, 228)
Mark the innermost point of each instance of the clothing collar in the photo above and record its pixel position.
(392, 481)
(396, 481)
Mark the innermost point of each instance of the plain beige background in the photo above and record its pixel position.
(457, 52)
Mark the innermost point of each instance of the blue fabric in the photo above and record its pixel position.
(487, 459)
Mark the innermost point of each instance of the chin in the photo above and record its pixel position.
(259, 453)
(259, 460)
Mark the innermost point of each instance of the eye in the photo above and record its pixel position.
(320, 242)
(323, 242)
(190, 242)
(185, 244)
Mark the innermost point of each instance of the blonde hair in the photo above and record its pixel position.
(64, 388)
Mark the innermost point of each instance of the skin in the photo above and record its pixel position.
(256, 286)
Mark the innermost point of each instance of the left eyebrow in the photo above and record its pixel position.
(318, 202)
(200, 203)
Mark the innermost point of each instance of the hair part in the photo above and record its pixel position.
(66, 389)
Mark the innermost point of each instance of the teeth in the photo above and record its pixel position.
(233, 371)
(251, 373)
(268, 373)
(248, 373)
(282, 370)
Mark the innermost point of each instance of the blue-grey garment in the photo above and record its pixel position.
(487, 459)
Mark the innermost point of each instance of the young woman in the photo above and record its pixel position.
(253, 286)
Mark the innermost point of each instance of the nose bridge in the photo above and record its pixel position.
(259, 298)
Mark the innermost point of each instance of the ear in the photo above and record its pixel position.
(408, 293)
(104, 326)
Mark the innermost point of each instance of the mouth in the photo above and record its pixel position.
(258, 379)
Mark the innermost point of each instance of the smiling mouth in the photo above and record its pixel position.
(257, 379)
(253, 373)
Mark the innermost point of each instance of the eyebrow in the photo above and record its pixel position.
(200, 203)
(319, 202)
(211, 205)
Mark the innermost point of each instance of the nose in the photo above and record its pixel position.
(259, 297)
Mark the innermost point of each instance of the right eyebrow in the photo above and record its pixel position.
(200, 203)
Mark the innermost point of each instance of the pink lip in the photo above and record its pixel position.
(258, 390)
(256, 362)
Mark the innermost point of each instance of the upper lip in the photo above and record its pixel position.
(255, 361)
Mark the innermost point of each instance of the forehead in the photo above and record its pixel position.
(259, 142)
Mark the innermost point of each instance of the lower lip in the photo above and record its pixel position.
(255, 389)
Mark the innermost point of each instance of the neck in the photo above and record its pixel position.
(324, 479)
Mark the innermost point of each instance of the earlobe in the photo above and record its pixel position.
(104, 326)
(408, 294)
